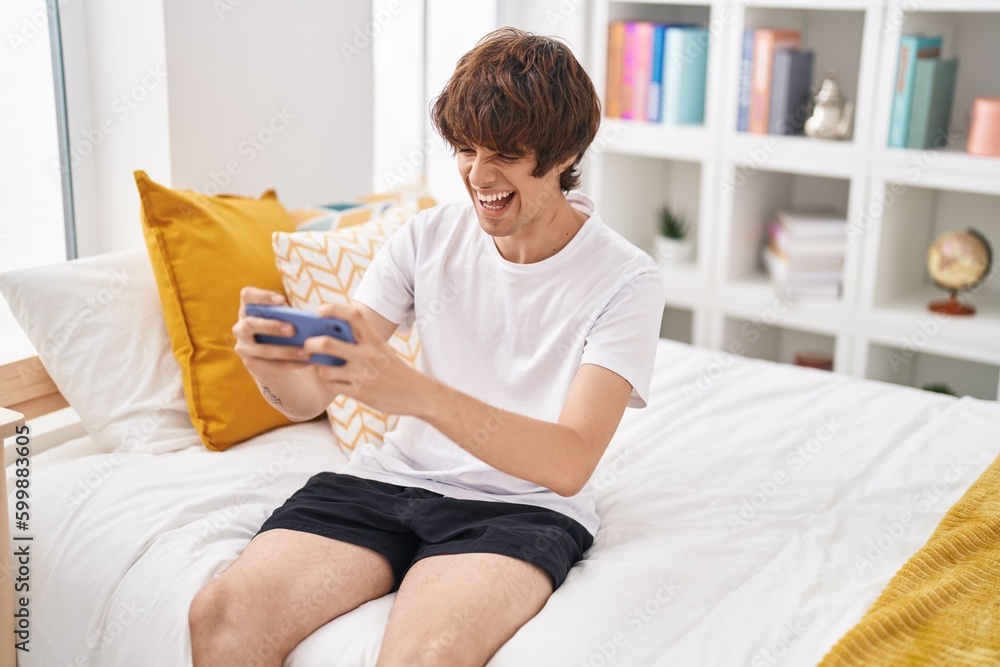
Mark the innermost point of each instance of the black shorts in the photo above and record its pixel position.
(406, 523)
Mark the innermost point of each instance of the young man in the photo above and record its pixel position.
(538, 325)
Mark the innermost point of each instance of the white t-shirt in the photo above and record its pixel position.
(511, 335)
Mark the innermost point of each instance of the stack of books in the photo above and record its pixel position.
(805, 250)
(775, 80)
(923, 94)
(656, 72)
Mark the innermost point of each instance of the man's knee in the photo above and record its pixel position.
(207, 607)
(221, 625)
(207, 620)
(211, 616)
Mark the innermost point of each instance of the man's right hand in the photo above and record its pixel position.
(264, 361)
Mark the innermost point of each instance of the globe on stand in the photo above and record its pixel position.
(958, 261)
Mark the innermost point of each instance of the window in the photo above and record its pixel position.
(33, 225)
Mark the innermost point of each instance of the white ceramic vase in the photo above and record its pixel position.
(673, 251)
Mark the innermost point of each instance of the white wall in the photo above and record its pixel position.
(560, 18)
(180, 88)
(399, 107)
(271, 95)
(228, 96)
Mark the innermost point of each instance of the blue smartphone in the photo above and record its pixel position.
(306, 326)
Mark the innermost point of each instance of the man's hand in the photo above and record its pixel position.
(374, 374)
(265, 362)
(287, 381)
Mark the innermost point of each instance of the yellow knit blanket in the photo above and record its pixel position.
(943, 606)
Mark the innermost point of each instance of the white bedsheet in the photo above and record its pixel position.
(676, 576)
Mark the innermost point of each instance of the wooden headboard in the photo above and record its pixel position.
(26, 392)
(25, 387)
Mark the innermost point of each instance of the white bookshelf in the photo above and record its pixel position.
(896, 201)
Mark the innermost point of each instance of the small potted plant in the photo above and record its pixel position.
(673, 243)
(939, 387)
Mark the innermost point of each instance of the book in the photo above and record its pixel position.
(766, 42)
(616, 44)
(644, 74)
(933, 93)
(628, 84)
(746, 75)
(801, 282)
(790, 82)
(637, 69)
(780, 270)
(809, 266)
(685, 51)
(813, 223)
(795, 261)
(815, 248)
(911, 49)
(654, 111)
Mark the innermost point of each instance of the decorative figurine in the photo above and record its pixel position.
(831, 113)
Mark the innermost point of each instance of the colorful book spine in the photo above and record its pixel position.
(911, 48)
(685, 67)
(638, 57)
(654, 113)
(630, 54)
(645, 69)
(790, 84)
(746, 78)
(766, 42)
(933, 93)
(616, 44)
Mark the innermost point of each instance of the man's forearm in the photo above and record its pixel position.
(550, 455)
(296, 394)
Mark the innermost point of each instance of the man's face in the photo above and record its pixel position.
(516, 197)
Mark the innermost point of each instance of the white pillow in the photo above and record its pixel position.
(98, 328)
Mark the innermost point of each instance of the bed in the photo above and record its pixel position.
(751, 515)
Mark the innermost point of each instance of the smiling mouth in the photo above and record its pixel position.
(495, 202)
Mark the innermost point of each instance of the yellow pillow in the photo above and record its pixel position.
(204, 250)
(326, 267)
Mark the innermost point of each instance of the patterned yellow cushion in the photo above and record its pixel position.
(326, 267)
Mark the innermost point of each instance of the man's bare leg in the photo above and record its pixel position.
(459, 609)
(284, 585)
